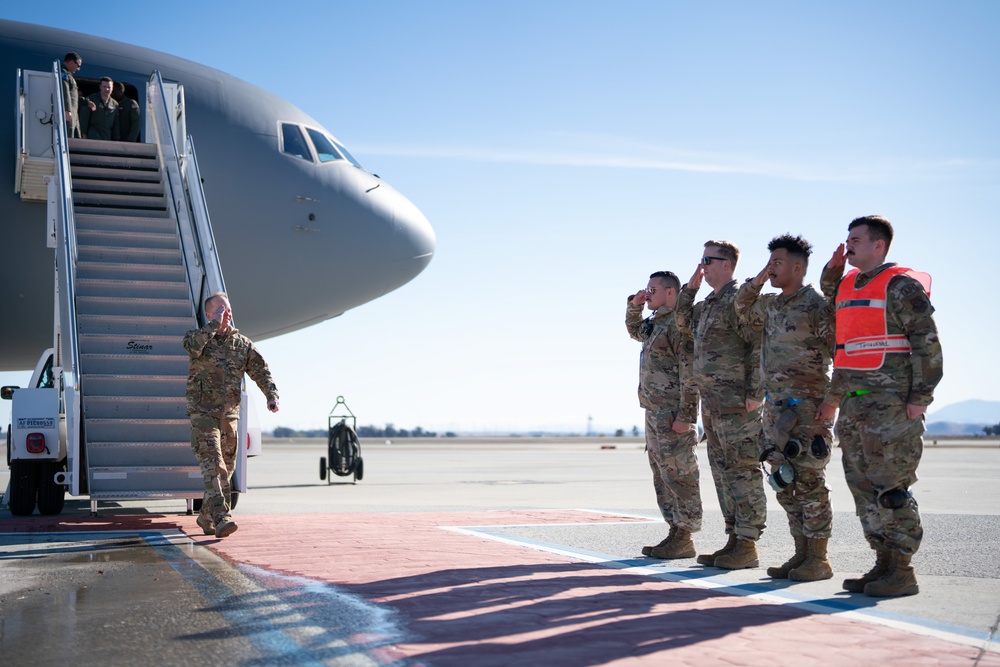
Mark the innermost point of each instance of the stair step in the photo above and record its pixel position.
(82, 172)
(94, 270)
(134, 345)
(119, 239)
(109, 305)
(91, 201)
(146, 495)
(134, 364)
(101, 147)
(135, 326)
(139, 289)
(177, 453)
(117, 187)
(168, 256)
(146, 480)
(133, 385)
(137, 430)
(135, 163)
(155, 213)
(134, 407)
(124, 223)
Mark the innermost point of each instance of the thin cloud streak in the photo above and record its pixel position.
(868, 171)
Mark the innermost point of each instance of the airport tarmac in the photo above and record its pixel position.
(480, 552)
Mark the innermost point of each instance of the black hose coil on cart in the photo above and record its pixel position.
(343, 448)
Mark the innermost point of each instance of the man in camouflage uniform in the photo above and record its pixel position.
(671, 405)
(887, 363)
(128, 113)
(72, 62)
(220, 355)
(99, 114)
(795, 354)
(727, 375)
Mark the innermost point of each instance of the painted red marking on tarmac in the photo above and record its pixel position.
(468, 600)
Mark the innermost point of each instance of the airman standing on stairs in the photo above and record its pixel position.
(99, 114)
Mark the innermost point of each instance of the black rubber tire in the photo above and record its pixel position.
(322, 468)
(51, 496)
(359, 469)
(23, 487)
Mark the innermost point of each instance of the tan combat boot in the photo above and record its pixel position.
(899, 580)
(744, 555)
(225, 527)
(816, 566)
(877, 572)
(648, 550)
(709, 559)
(682, 546)
(799, 557)
(206, 524)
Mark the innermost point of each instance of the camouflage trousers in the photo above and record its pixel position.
(213, 440)
(807, 501)
(881, 451)
(734, 456)
(675, 471)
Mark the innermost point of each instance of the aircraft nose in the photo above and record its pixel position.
(413, 237)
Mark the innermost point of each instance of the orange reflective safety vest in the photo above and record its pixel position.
(863, 339)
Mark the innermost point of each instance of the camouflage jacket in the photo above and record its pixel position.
(726, 352)
(909, 312)
(797, 341)
(216, 370)
(71, 102)
(664, 363)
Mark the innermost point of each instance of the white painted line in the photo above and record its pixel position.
(815, 605)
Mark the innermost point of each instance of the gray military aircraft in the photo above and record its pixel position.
(304, 232)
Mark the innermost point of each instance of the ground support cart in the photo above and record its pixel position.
(343, 457)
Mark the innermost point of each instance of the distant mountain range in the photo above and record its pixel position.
(964, 418)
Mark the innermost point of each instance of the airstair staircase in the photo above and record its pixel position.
(133, 307)
(135, 258)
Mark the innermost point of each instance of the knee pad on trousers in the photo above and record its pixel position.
(819, 447)
(893, 499)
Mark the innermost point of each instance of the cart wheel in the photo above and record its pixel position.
(359, 469)
(322, 467)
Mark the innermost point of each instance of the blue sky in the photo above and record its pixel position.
(563, 151)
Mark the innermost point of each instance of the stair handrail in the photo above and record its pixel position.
(203, 267)
(215, 282)
(66, 334)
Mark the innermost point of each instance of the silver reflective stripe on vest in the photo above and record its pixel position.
(877, 344)
(863, 303)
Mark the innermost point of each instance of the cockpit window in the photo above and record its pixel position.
(324, 146)
(328, 149)
(350, 158)
(293, 142)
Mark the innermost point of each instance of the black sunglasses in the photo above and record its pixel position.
(707, 259)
